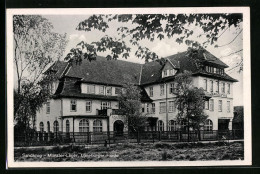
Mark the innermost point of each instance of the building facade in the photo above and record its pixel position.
(85, 96)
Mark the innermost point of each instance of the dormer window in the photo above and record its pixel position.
(165, 73)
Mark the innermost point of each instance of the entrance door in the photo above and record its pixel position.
(118, 127)
(223, 124)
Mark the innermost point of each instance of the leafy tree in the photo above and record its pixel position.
(36, 46)
(130, 103)
(190, 102)
(138, 27)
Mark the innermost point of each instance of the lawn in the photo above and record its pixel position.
(135, 152)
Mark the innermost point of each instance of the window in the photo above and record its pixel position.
(160, 125)
(205, 85)
(208, 125)
(48, 126)
(228, 106)
(165, 73)
(172, 125)
(162, 89)
(67, 126)
(151, 91)
(117, 90)
(217, 86)
(91, 89)
(206, 105)
(171, 72)
(162, 107)
(184, 126)
(211, 104)
(73, 105)
(48, 108)
(105, 105)
(171, 88)
(223, 88)
(220, 105)
(228, 88)
(84, 125)
(171, 106)
(41, 127)
(153, 107)
(97, 126)
(56, 126)
(143, 105)
(109, 90)
(211, 86)
(101, 89)
(88, 106)
(147, 108)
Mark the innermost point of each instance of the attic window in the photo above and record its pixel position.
(165, 72)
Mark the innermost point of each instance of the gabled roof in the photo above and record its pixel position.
(101, 70)
(117, 72)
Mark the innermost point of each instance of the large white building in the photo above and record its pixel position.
(85, 96)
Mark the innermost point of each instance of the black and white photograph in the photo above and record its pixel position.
(128, 87)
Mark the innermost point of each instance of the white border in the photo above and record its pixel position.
(10, 163)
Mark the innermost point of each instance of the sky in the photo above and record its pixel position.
(166, 47)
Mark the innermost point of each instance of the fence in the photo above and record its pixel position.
(43, 138)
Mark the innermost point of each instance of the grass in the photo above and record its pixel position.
(136, 152)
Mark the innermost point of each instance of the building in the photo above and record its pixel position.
(85, 95)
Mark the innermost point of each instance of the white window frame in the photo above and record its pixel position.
(90, 88)
(162, 89)
(153, 108)
(228, 88)
(117, 90)
(101, 90)
(220, 106)
(67, 126)
(48, 108)
(211, 85)
(88, 105)
(109, 88)
(84, 125)
(211, 104)
(73, 102)
(171, 106)
(228, 106)
(160, 125)
(172, 125)
(151, 91)
(105, 105)
(206, 107)
(97, 126)
(41, 125)
(56, 126)
(162, 107)
(208, 125)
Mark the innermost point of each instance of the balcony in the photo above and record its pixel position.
(102, 112)
(117, 112)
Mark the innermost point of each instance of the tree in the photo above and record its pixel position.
(36, 46)
(151, 27)
(190, 102)
(130, 103)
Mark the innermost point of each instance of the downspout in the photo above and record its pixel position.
(61, 113)
(166, 107)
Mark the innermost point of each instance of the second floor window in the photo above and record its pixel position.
(220, 105)
(91, 89)
(88, 106)
(165, 73)
(211, 86)
(171, 88)
(73, 105)
(217, 89)
(171, 106)
(205, 85)
(211, 104)
(153, 107)
(162, 107)
(206, 105)
(151, 91)
(162, 89)
(228, 88)
(105, 105)
(228, 106)
(48, 108)
(223, 88)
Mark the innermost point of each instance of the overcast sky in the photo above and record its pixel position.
(68, 23)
